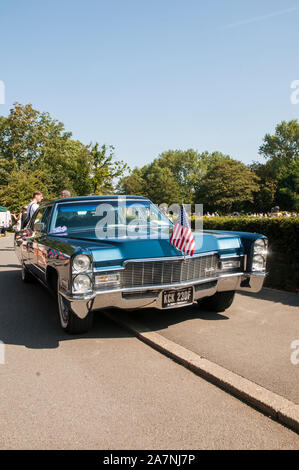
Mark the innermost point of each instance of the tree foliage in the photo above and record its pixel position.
(104, 169)
(227, 186)
(282, 148)
(279, 183)
(36, 152)
(173, 177)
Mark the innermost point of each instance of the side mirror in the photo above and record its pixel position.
(39, 227)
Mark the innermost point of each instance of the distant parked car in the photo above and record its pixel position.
(102, 251)
(5, 220)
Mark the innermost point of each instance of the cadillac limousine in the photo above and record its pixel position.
(98, 252)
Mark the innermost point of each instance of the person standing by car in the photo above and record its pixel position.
(17, 226)
(33, 205)
(23, 216)
(20, 219)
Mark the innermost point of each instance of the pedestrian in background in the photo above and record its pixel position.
(20, 219)
(65, 193)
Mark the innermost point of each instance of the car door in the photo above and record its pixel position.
(29, 245)
(40, 248)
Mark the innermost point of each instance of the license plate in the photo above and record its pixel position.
(172, 298)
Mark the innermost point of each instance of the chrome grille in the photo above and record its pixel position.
(151, 273)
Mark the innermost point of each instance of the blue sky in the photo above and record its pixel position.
(148, 76)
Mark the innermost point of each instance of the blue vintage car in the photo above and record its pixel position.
(97, 252)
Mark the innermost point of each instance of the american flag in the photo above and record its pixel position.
(181, 236)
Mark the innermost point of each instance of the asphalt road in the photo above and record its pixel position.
(252, 338)
(106, 389)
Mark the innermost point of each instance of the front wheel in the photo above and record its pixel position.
(218, 302)
(27, 277)
(69, 320)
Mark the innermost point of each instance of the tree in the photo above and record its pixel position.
(161, 185)
(68, 162)
(228, 185)
(134, 184)
(26, 133)
(287, 192)
(21, 185)
(264, 198)
(282, 148)
(185, 168)
(104, 169)
(175, 176)
(37, 153)
(282, 152)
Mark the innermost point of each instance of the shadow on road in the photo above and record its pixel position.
(272, 295)
(28, 316)
(163, 319)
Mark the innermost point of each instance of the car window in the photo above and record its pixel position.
(116, 216)
(41, 215)
(46, 217)
(33, 219)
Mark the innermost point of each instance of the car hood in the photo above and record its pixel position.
(112, 252)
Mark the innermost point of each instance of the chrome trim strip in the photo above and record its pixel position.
(170, 258)
(81, 201)
(153, 287)
(228, 257)
(102, 269)
(36, 266)
(180, 284)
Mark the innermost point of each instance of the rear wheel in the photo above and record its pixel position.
(69, 320)
(26, 275)
(218, 302)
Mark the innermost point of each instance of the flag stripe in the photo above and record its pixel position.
(182, 237)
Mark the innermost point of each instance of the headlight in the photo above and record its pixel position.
(259, 254)
(260, 246)
(82, 284)
(258, 263)
(81, 263)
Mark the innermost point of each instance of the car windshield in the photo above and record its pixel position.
(116, 218)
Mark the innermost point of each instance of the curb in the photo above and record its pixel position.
(275, 406)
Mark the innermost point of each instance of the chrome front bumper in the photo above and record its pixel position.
(151, 297)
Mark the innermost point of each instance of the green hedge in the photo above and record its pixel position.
(283, 236)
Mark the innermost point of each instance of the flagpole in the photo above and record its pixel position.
(182, 210)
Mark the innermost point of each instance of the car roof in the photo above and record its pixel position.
(93, 198)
